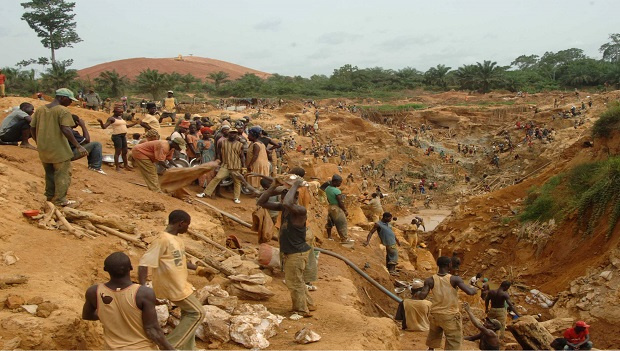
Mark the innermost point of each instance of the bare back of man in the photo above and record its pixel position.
(498, 298)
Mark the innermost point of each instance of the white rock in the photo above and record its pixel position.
(306, 336)
(9, 258)
(162, 314)
(32, 309)
(228, 304)
(606, 275)
(210, 290)
(247, 308)
(253, 331)
(232, 262)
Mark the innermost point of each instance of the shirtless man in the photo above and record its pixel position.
(487, 336)
(499, 300)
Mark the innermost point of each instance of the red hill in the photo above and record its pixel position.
(199, 67)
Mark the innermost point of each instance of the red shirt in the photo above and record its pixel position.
(2, 78)
(575, 338)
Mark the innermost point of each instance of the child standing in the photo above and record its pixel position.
(119, 135)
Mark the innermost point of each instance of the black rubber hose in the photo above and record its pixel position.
(362, 273)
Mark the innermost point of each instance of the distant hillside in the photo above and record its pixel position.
(199, 67)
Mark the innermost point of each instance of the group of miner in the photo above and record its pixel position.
(244, 152)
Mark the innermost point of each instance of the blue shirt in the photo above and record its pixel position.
(386, 234)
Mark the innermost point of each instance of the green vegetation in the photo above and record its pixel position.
(590, 189)
(541, 205)
(608, 122)
(565, 69)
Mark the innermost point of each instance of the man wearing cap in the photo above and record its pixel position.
(575, 338)
(51, 128)
(169, 107)
(93, 100)
(337, 211)
(488, 331)
(2, 84)
(388, 239)
(414, 313)
(231, 154)
(145, 156)
(150, 121)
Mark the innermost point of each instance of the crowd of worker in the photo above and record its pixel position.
(245, 153)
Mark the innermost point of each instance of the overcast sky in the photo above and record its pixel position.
(294, 37)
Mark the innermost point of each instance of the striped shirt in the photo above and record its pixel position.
(230, 154)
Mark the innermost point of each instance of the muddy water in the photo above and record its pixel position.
(431, 217)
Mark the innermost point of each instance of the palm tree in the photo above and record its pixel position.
(437, 76)
(487, 74)
(58, 75)
(152, 82)
(188, 80)
(218, 78)
(465, 77)
(112, 82)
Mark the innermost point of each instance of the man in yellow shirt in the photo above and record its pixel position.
(150, 121)
(169, 107)
(166, 257)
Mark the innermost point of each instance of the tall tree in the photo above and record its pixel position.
(611, 50)
(487, 74)
(152, 82)
(112, 83)
(218, 78)
(187, 80)
(53, 22)
(437, 76)
(525, 61)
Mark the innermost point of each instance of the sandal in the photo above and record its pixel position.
(68, 203)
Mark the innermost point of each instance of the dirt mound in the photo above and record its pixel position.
(199, 67)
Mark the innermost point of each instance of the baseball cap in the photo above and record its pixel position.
(184, 124)
(180, 142)
(582, 324)
(225, 126)
(170, 92)
(66, 93)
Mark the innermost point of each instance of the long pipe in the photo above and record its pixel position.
(327, 252)
(362, 273)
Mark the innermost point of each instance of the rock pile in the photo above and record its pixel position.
(226, 320)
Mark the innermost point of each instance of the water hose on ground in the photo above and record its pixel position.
(327, 252)
(362, 273)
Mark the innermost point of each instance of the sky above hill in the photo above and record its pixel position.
(306, 38)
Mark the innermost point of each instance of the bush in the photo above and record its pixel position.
(540, 204)
(608, 122)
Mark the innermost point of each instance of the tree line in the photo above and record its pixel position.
(564, 69)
